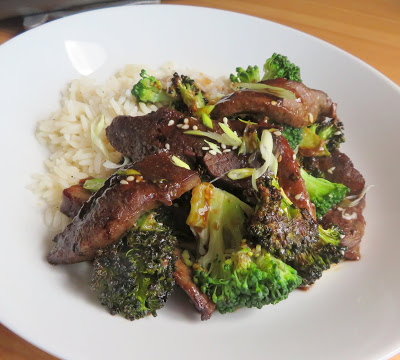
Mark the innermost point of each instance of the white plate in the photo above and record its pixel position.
(351, 313)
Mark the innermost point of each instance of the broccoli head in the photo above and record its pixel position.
(291, 235)
(323, 193)
(134, 277)
(250, 75)
(247, 278)
(190, 93)
(293, 135)
(325, 252)
(230, 272)
(320, 139)
(150, 90)
(278, 66)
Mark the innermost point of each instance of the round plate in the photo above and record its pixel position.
(351, 313)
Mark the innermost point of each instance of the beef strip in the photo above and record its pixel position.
(352, 222)
(137, 137)
(308, 106)
(73, 198)
(289, 177)
(115, 208)
(342, 170)
(184, 278)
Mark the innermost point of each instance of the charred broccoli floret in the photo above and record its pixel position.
(250, 75)
(323, 193)
(150, 90)
(230, 272)
(291, 234)
(278, 66)
(321, 256)
(320, 139)
(134, 277)
(190, 93)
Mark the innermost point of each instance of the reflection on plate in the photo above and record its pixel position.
(351, 313)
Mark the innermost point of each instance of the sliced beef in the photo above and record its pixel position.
(352, 222)
(289, 177)
(184, 278)
(115, 208)
(73, 198)
(337, 168)
(308, 106)
(140, 136)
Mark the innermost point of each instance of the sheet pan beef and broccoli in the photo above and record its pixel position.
(237, 201)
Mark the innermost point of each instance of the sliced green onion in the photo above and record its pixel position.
(186, 258)
(227, 130)
(223, 139)
(266, 147)
(95, 131)
(349, 202)
(272, 90)
(93, 184)
(213, 146)
(110, 165)
(207, 120)
(248, 122)
(128, 172)
(237, 174)
(178, 162)
(204, 110)
(253, 180)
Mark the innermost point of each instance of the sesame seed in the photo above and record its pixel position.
(330, 170)
(294, 156)
(351, 216)
(225, 120)
(185, 127)
(137, 180)
(234, 147)
(227, 150)
(171, 122)
(186, 121)
(130, 178)
(123, 182)
(195, 127)
(179, 125)
(223, 146)
(340, 208)
(213, 152)
(279, 158)
(310, 117)
(277, 133)
(273, 102)
(167, 146)
(338, 133)
(342, 236)
(298, 197)
(205, 148)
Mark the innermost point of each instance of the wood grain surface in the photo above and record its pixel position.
(368, 29)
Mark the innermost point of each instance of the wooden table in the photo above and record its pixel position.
(368, 29)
